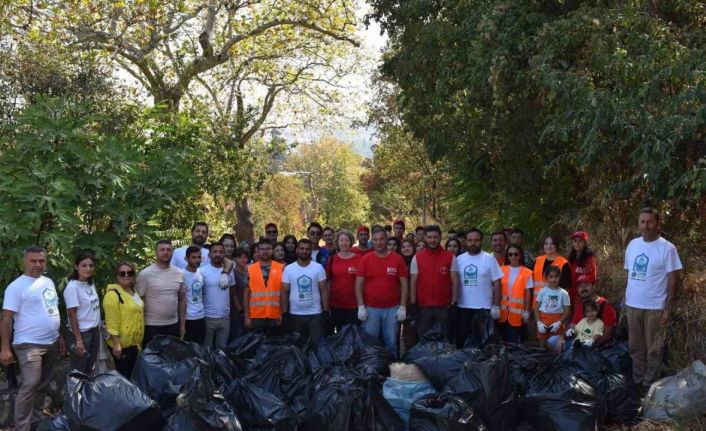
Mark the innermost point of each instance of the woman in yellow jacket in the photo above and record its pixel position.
(124, 319)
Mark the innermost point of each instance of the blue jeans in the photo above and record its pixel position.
(384, 320)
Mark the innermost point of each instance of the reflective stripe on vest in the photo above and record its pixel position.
(512, 299)
(538, 274)
(265, 300)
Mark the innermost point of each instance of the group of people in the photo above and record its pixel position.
(379, 278)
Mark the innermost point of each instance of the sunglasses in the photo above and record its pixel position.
(513, 254)
(125, 274)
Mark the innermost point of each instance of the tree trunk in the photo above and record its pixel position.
(244, 226)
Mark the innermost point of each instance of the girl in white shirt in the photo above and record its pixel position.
(83, 310)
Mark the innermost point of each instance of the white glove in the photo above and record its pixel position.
(570, 332)
(401, 313)
(362, 313)
(541, 328)
(495, 312)
(588, 343)
(555, 326)
(525, 316)
(224, 281)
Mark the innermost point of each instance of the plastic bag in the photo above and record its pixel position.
(584, 359)
(620, 394)
(618, 355)
(344, 347)
(490, 335)
(201, 407)
(677, 397)
(59, 423)
(440, 369)
(332, 407)
(525, 363)
(434, 342)
(558, 400)
(373, 361)
(401, 394)
(407, 372)
(108, 402)
(258, 409)
(165, 367)
(373, 412)
(442, 413)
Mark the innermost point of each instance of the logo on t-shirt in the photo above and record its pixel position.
(51, 301)
(352, 270)
(196, 291)
(444, 270)
(391, 270)
(639, 268)
(304, 286)
(470, 276)
(587, 331)
(553, 303)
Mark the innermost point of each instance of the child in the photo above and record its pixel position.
(552, 308)
(590, 328)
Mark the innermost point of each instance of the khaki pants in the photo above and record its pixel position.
(36, 365)
(646, 340)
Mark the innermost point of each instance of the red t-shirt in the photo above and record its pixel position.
(342, 273)
(607, 315)
(360, 252)
(382, 279)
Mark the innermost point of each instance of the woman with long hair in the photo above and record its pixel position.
(341, 271)
(453, 245)
(407, 250)
(83, 310)
(278, 253)
(124, 318)
(393, 244)
(582, 262)
(290, 248)
(516, 295)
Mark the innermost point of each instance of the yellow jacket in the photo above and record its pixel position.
(126, 319)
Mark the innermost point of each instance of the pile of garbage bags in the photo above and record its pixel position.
(282, 383)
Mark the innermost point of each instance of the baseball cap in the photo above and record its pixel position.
(586, 278)
(580, 234)
(362, 228)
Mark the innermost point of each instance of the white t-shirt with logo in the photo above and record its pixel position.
(179, 257)
(36, 306)
(193, 285)
(553, 301)
(648, 264)
(83, 297)
(304, 295)
(477, 274)
(216, 300)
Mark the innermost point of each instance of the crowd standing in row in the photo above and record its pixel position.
(386, 282)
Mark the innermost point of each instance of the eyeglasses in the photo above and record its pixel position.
(271, 231)
(126, 274)
(513, 254)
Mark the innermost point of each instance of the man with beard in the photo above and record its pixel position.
(305, 301)
(497, 243)
(261, 299)
(271, 232)
(479, 295)
(216, 300)
(328, 240)
(161, 286)
(199, 235)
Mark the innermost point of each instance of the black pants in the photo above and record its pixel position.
(307, 325)
(237, 328)
(153, 330)
(427, 317)
(195, 331)
(344, 316)
(511, 334)
(268, 326)
(91, 342)
(126, 362)
(471, 322)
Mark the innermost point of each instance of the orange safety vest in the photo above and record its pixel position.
(512, 299)
(538, 276)
(265, 300)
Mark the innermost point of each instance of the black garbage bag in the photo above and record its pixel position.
(584, 359)
(244, 347)
(441, 369)
(372, 411)
(259, 410)
(59, 423)
(108, 402)
(373, 361)
(334, 375)
(344, 347)
(490, 335)
(254, 347)
(332, 407)
(618, 355)
(486, 387)
(558, 400)
(202, 407)
(223, 372)
(525, 363)
(620, 394)
(165, 367)
(285, 373)
(442, 413)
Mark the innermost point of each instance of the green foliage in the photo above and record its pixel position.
(73, 179)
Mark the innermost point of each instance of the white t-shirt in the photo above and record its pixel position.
(304, 295)
(216, 301)
(179, 257)
(553, 300)
(512, 276)
(648, 264)
(83, 296)
(193, 285)
(477, 275)
(36, 306)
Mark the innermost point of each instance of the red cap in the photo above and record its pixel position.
(398, 221)
(363, 228)
(580, 234)
(586, 278)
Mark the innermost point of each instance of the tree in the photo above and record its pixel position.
(281, 200)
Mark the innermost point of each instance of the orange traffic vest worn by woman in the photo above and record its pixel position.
(265, 299)
(538, 276)
(512, 298)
